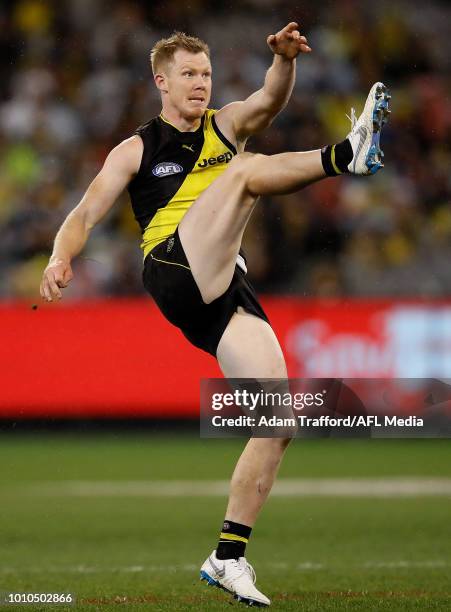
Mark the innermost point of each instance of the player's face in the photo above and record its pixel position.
(188, 83)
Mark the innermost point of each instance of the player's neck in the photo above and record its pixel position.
(183, 124)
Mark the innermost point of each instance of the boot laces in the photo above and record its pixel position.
(247, 568)
(352, 118)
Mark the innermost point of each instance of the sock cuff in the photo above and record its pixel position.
(235, 531)
(335, 158)
(326, 159)
(233, 537)
(233, 540)
(332, 159)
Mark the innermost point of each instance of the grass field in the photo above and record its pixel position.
(77, 514)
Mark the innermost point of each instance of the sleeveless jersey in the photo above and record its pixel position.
(176, 167)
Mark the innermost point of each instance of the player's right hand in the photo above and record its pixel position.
(56, 276)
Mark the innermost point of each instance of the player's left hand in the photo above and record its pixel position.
(288, 42)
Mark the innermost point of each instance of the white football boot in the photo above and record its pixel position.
(366, 130)
(234, 576)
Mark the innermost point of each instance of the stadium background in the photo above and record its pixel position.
(354, 274)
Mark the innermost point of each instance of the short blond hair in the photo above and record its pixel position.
(163, 51)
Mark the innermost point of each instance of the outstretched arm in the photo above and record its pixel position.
(241, 119)
(119, 168)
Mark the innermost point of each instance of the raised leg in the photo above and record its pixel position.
(211, 231)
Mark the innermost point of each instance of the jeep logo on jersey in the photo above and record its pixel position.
(211, 161)
(166, 169)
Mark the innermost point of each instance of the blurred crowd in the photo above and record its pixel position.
(76, 81)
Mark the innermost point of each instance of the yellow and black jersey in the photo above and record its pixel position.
(176, 167)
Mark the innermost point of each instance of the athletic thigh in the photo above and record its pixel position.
(212, 229)
(249, 349)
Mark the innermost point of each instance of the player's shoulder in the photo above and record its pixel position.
(130, 145)
(225, 116)
(150, 125)
(127, 155)
(210, 120)
(150, 134)
(221, 121)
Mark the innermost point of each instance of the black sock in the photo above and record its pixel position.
(233, 540)
(336, 158)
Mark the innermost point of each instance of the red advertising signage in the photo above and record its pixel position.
(120, 358)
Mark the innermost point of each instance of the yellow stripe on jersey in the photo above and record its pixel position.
(210, 164)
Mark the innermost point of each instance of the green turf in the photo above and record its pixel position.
(310, 553)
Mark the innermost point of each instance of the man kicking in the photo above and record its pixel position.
(192, 191)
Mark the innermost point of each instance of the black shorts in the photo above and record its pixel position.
(168, 279)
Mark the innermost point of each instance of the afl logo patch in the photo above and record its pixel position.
(166, 169)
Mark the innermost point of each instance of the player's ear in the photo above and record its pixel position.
(161, 82)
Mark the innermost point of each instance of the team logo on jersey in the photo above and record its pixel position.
(166, 169)
(211, 161)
